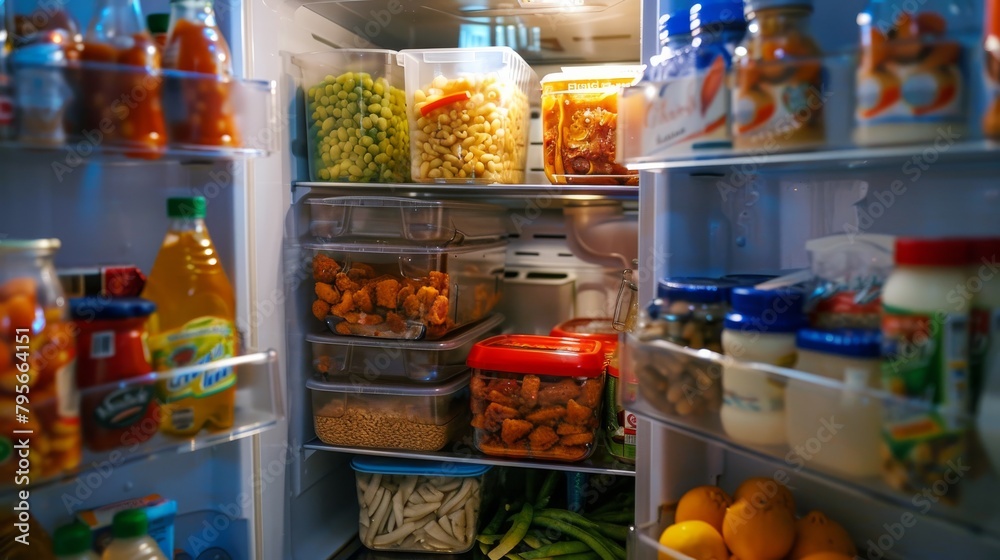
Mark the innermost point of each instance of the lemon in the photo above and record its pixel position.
(696, 539)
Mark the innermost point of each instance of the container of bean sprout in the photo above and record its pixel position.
(469, 111)
(355, 108)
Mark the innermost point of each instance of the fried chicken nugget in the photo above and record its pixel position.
(412, 307)
(577, 439)
(438, 312)
(386, 292)
(395, 323)
(529, 389)
(497, 397)
(559, 393)
(570, 429)
(514, 430)
(577, 413)
(320, 309)
(327, 293)
(404, 292)
(370, 319)
(496, 413)
(324, 268)
(363, 300)
(478, 421)
(427, 295)
(478, 387)
(344, 283)
(439, 281)
(345, 306)
(323, 364)
(568, 452)
(343, 328)
(548, 416)
(542, 438)
(591, 393)
(361, 271)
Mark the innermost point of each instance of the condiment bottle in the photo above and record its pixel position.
(717, 29)
(778, 97)
(925, 335)
(130, 529)
(159, 28)
(196, 45)
(125, 100)
(73, 542)
(760, 328)
(42, 94)
(911, 80)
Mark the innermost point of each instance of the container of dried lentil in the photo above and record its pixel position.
(416, 417)
(355, 108)
(469, 111)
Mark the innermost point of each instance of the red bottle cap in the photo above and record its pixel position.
(932, 252)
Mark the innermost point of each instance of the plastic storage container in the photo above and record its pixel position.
(851, 358)
(355, 108)
(418, 506)
(469, 111)
(580, 125)
(370, 359)
(537, 396)
(393, 416)
(384, 220)
(584, 328)
(410, 292)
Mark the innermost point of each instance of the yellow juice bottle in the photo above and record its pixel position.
(194, 323)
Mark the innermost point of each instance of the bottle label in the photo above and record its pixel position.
(124, 407)
(925, 358)
(926, 87)
(619, 424)
(66, 388)
(779, 103)
(200, 341)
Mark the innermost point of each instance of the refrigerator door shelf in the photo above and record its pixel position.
(259, 407)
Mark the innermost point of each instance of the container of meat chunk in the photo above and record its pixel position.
(537, 396)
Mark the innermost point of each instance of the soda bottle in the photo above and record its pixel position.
(194, 323)
(130, 529)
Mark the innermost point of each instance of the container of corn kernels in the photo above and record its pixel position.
(469, 111)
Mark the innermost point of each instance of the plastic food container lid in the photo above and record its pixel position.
(453, 340)
(844, 342)
(375, 387)
(696, 290)
(766, 311)
(601, 330)
(932, 252)
(100, 308)
(412, 467)
(401, 249)
(591, 79)
(539, 355)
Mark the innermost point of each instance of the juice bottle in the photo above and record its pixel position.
(132, 541)
(194, 323)
(72, 542)
(196, 45)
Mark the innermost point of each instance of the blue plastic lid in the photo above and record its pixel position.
(747, 280)
(386, 465)
(694, 289)
(843, 342)
(766, 311)
(675, 18)
(709, 12)
(100, 308)
(751, 6)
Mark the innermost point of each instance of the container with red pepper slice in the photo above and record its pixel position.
(444, 101)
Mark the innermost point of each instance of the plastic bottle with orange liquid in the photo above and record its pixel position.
(194, 323)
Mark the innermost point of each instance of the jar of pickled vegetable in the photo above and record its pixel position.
(912, 80)
(778, 95)
(37, 364)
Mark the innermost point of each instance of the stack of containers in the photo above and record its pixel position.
(403, 289)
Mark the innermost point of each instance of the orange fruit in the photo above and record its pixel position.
(827, 556)
(816, 533)
(21, 310)
(696, 539)
(704, 503)
(762, 487)
(18, 286)
(762, 530)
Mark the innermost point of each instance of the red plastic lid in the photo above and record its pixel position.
(539, 355)
(984, 249)
(932, 252)
(601, 330)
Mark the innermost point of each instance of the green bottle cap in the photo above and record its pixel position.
(189, 207)
(130, 524)
(72, 539)
(158, 23)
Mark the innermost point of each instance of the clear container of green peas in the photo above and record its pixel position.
(355, 107)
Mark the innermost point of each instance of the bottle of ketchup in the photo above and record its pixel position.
(196, 45)
(118, 405)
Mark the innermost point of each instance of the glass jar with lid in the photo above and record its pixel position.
(691, 311)
(37, 352)
(778, 95)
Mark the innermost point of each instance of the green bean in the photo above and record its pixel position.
(556, 549)
(596, 543)
(548, 486)
(522, 521)
(613, 517)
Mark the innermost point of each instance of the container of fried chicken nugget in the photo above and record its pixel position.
(537, 397)
(408, 292)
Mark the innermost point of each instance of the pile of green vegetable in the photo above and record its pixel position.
(523, 526)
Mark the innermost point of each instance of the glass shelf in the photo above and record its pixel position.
(463, 451)
(259, 406)
(568, 192)
(832, 432)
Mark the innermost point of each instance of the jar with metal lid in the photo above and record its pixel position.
(37, 354)
(691, 311)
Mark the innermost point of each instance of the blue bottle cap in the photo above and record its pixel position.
(102, 308)
(842, 342)
(713, 12)
(694, 289)
(766, 311)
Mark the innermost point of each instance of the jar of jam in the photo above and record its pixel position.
(118, 404)
(778, 95)
(37, 365)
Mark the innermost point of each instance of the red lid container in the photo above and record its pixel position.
(539, 355)
(587, 328)
(932, 252)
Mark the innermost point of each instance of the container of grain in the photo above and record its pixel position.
(469, 111)
(418, 506)
(355, 108)
(417, 417)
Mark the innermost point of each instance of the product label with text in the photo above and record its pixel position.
(199, 342)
